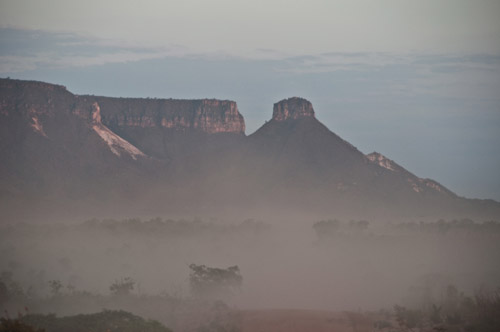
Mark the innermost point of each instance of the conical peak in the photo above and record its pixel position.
(292, 108)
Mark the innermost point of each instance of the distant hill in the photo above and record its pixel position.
(65, 155)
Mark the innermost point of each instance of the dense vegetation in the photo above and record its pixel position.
(455, 313)
(108, 320)
(16, 325)
(332, 227)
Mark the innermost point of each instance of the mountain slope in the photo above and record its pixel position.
(293, 162)
(56, 152)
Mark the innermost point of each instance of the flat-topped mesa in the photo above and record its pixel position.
(207, 115)
(219, 116)
(292, 108)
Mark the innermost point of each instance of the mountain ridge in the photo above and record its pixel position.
(172, 156)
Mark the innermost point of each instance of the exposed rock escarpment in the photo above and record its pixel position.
(168, 128)
(34, 99)
(382, 161)
(116, 144)
(207, 115)
(292, 108)
(418, 185)
(129, 126)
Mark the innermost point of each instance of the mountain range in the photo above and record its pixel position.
(79, 156)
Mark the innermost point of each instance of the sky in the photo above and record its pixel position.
(417, 81)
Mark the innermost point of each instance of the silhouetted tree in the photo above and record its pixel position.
(122, 286)
(213, 282)
(326, 228)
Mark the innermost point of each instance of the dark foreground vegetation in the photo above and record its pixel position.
(457, 313)
(16, 325)
(112, 321)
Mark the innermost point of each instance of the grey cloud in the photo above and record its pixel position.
(485, 59)
(23, 50)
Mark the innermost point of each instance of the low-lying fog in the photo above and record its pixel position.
(287, 264)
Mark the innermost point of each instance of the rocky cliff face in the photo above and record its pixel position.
(169, 129)
(292, 108)
(116, 144)
(208, 115)
(31, 99)
(135, 127)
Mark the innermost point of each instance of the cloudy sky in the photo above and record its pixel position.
(418, 81)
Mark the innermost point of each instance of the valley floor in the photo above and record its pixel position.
(303, 321)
